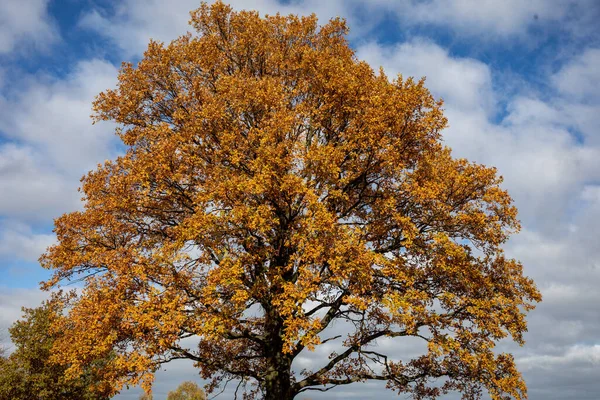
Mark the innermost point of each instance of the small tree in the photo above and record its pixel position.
(272, 185)
(187, 391)
(29, 371)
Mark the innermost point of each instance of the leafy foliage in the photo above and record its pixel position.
(272, 185)
(187, 391)
(29, 373)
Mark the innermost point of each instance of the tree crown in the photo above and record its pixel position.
(274, 184)
(187, 391)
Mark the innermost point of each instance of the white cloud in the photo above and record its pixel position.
(134, 22)
(591, 193)
(25, 22)
(463, 83)
(578, 81)
(17, 240)
(11, 301)
(488, 19)
(577, 354)
(31, 190)
(53, 116)
(50, 141)
(570, 373)
(580, 77)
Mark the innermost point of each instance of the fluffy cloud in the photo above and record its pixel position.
(569, 374)
(19, 241)
(506, 17)
(577, 83)
(464, 84)
(11, 301)
(25, 22)
(134, 22)
(31, 191)
(496, 20)
(577, 354)
(580, 78)
(52, 116)
(50, 141)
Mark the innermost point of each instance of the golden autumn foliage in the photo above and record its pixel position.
(272, 185)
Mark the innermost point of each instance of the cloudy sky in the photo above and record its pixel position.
(521, 84)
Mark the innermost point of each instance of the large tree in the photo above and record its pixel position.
(274, 184)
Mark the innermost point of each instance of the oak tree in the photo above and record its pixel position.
(272, 185)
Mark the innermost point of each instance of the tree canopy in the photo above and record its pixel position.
(29, 373)
(272, 185)
(187, 391)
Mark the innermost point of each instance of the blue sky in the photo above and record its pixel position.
(521, 82)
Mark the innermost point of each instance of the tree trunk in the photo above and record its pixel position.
(277, 383)
(277, 379)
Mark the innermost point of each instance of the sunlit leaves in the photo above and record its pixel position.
(273, 184)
